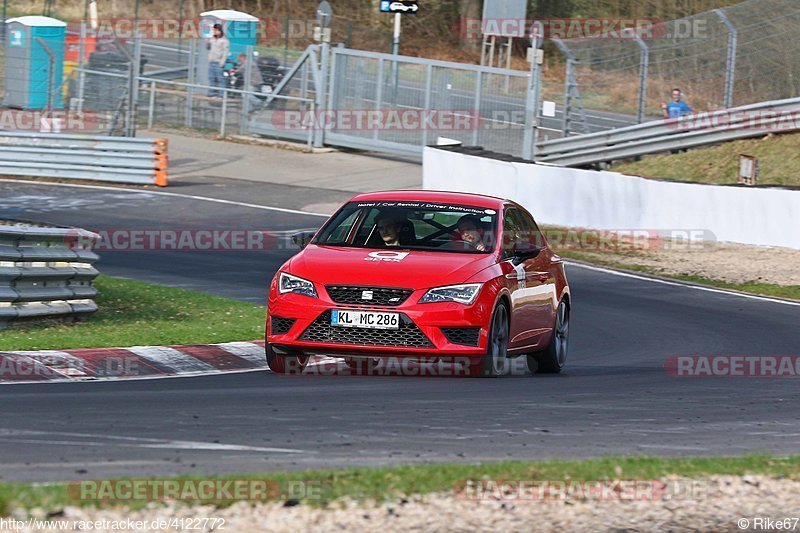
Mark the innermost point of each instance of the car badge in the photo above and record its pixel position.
(366, 295)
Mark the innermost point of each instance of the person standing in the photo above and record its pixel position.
(677, 107)
(256, 80)
(218, 49)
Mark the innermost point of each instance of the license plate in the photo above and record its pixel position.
(365, 319)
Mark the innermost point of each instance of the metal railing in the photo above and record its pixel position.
(692, 131)
(45, 272)
(162, 102)
(245, 111)
(119, 159)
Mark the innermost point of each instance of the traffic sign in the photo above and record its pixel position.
(404, 7)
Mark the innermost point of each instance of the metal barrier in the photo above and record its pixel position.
(118, 159)
(672, 134)
(45, 272)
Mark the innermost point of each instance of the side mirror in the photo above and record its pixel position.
(302, 238)
(526, 251)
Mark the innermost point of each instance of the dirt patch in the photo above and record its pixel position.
(727, 262)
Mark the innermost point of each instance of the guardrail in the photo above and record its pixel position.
(672, 134)
(45, 272)
(55, 155)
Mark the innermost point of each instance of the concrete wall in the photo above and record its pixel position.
(609, 200)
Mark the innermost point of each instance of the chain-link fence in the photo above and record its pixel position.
(728, 57)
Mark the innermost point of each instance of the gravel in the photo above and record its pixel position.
(712, 504)
(734, 263)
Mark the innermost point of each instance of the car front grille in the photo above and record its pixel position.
(408, 335)
(280, 325)
(465, 336)
(375, 295)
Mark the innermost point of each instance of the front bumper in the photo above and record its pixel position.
(421, 333)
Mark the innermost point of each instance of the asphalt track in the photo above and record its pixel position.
(615, 397)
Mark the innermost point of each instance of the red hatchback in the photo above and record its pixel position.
(422, 275)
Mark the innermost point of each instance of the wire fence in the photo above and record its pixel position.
(742, 54)
(353, 98)
(728, 57)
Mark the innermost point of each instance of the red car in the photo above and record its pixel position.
(422, 275)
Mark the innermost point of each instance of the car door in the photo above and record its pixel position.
(528, 279)
(541, 274)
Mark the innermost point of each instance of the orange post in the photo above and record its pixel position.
(160, 174)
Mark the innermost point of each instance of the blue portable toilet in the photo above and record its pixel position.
(29, 66)
(240, 28)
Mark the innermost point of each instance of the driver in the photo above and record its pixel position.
(470, 230)
(389, 228)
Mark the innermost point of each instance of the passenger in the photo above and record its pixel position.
(470, 230)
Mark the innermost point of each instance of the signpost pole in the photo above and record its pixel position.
(396, 51)
(396, 36)
(534, 93)
(398, 8)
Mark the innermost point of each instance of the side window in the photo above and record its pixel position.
(339, 234)
(530, 231)
(512, 228)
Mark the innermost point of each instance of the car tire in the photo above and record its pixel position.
(495, 362)
(285, 364)
(552, 359)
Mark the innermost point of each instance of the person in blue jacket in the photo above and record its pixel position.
(677, 107)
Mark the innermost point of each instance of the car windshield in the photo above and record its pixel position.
(412, 225)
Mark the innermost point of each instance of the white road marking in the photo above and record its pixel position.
(171, 358)
(671, 447)
(191, 445)
(682, 284)
(137, 442)
(164, 193)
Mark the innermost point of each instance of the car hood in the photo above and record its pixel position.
(412, 269)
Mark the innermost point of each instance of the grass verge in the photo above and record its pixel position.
(135, 313)
(382, 484)
(778, 158)
(791, 292)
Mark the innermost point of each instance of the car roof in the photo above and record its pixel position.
(445, 197)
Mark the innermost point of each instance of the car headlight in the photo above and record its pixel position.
(463, 294)
(289, 283)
